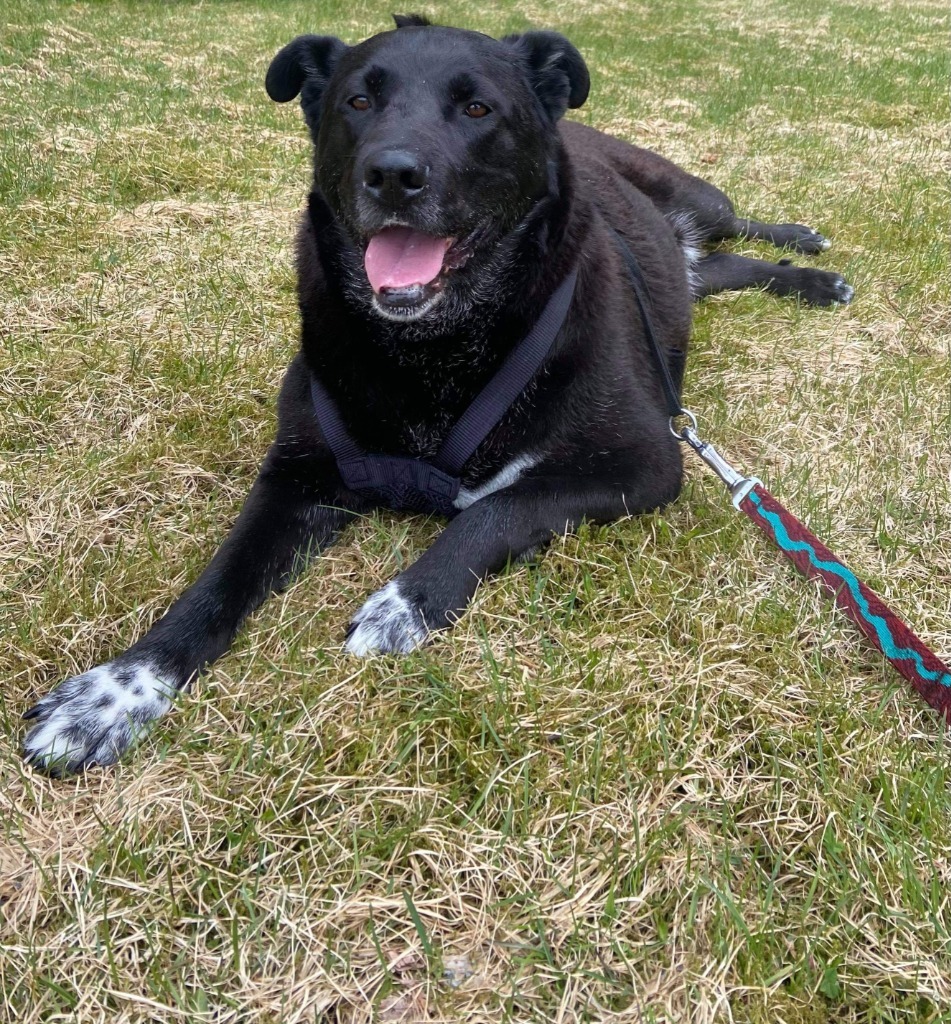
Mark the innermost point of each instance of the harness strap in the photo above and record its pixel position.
(404, 483)
(513, 376)
(418, 485)
(661, 361)
(342, 445)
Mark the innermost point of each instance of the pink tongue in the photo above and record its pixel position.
(400, 257)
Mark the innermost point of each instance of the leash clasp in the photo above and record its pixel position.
(736, 483)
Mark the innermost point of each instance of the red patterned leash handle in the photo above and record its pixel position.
(883, 628)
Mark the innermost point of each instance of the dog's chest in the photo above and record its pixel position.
(401, 420)
(409, 410)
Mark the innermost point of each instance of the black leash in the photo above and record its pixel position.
(662, 360)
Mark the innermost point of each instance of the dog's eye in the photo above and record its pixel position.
(359, 102)
(477, 110)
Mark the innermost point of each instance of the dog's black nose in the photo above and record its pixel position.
(394, 176)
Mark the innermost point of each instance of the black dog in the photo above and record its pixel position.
(455, 232)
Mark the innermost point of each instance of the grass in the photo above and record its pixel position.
(652, 776)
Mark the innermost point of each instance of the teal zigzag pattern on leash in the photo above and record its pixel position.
(930, 676)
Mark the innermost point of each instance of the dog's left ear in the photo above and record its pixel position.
(556, 69)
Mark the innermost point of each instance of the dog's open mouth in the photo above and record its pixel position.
(407, 269)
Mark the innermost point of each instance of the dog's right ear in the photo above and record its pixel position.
(307, 62)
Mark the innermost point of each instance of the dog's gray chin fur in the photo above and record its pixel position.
(406, 314)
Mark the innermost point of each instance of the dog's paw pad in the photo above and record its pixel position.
(94, 718)
(388, 623)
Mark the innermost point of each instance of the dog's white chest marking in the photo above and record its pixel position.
(505, 477)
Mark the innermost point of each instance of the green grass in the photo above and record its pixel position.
(653, 776)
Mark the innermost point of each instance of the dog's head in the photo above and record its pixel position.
(431, 145)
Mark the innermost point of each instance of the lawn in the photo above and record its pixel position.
(652, 776)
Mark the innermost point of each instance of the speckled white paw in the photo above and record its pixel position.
(387, 624)
(94, 718)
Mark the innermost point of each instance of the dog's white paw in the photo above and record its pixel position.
(387, 624)
(94, 718)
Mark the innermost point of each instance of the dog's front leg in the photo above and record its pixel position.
(94, 717)
(433, 592)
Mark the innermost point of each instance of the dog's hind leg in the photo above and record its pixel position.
(712, 214)
(713, 218)
(94, 717)
(722, 271)
(695, 201)
(784, 236)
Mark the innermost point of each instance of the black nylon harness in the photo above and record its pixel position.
(415, 485)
